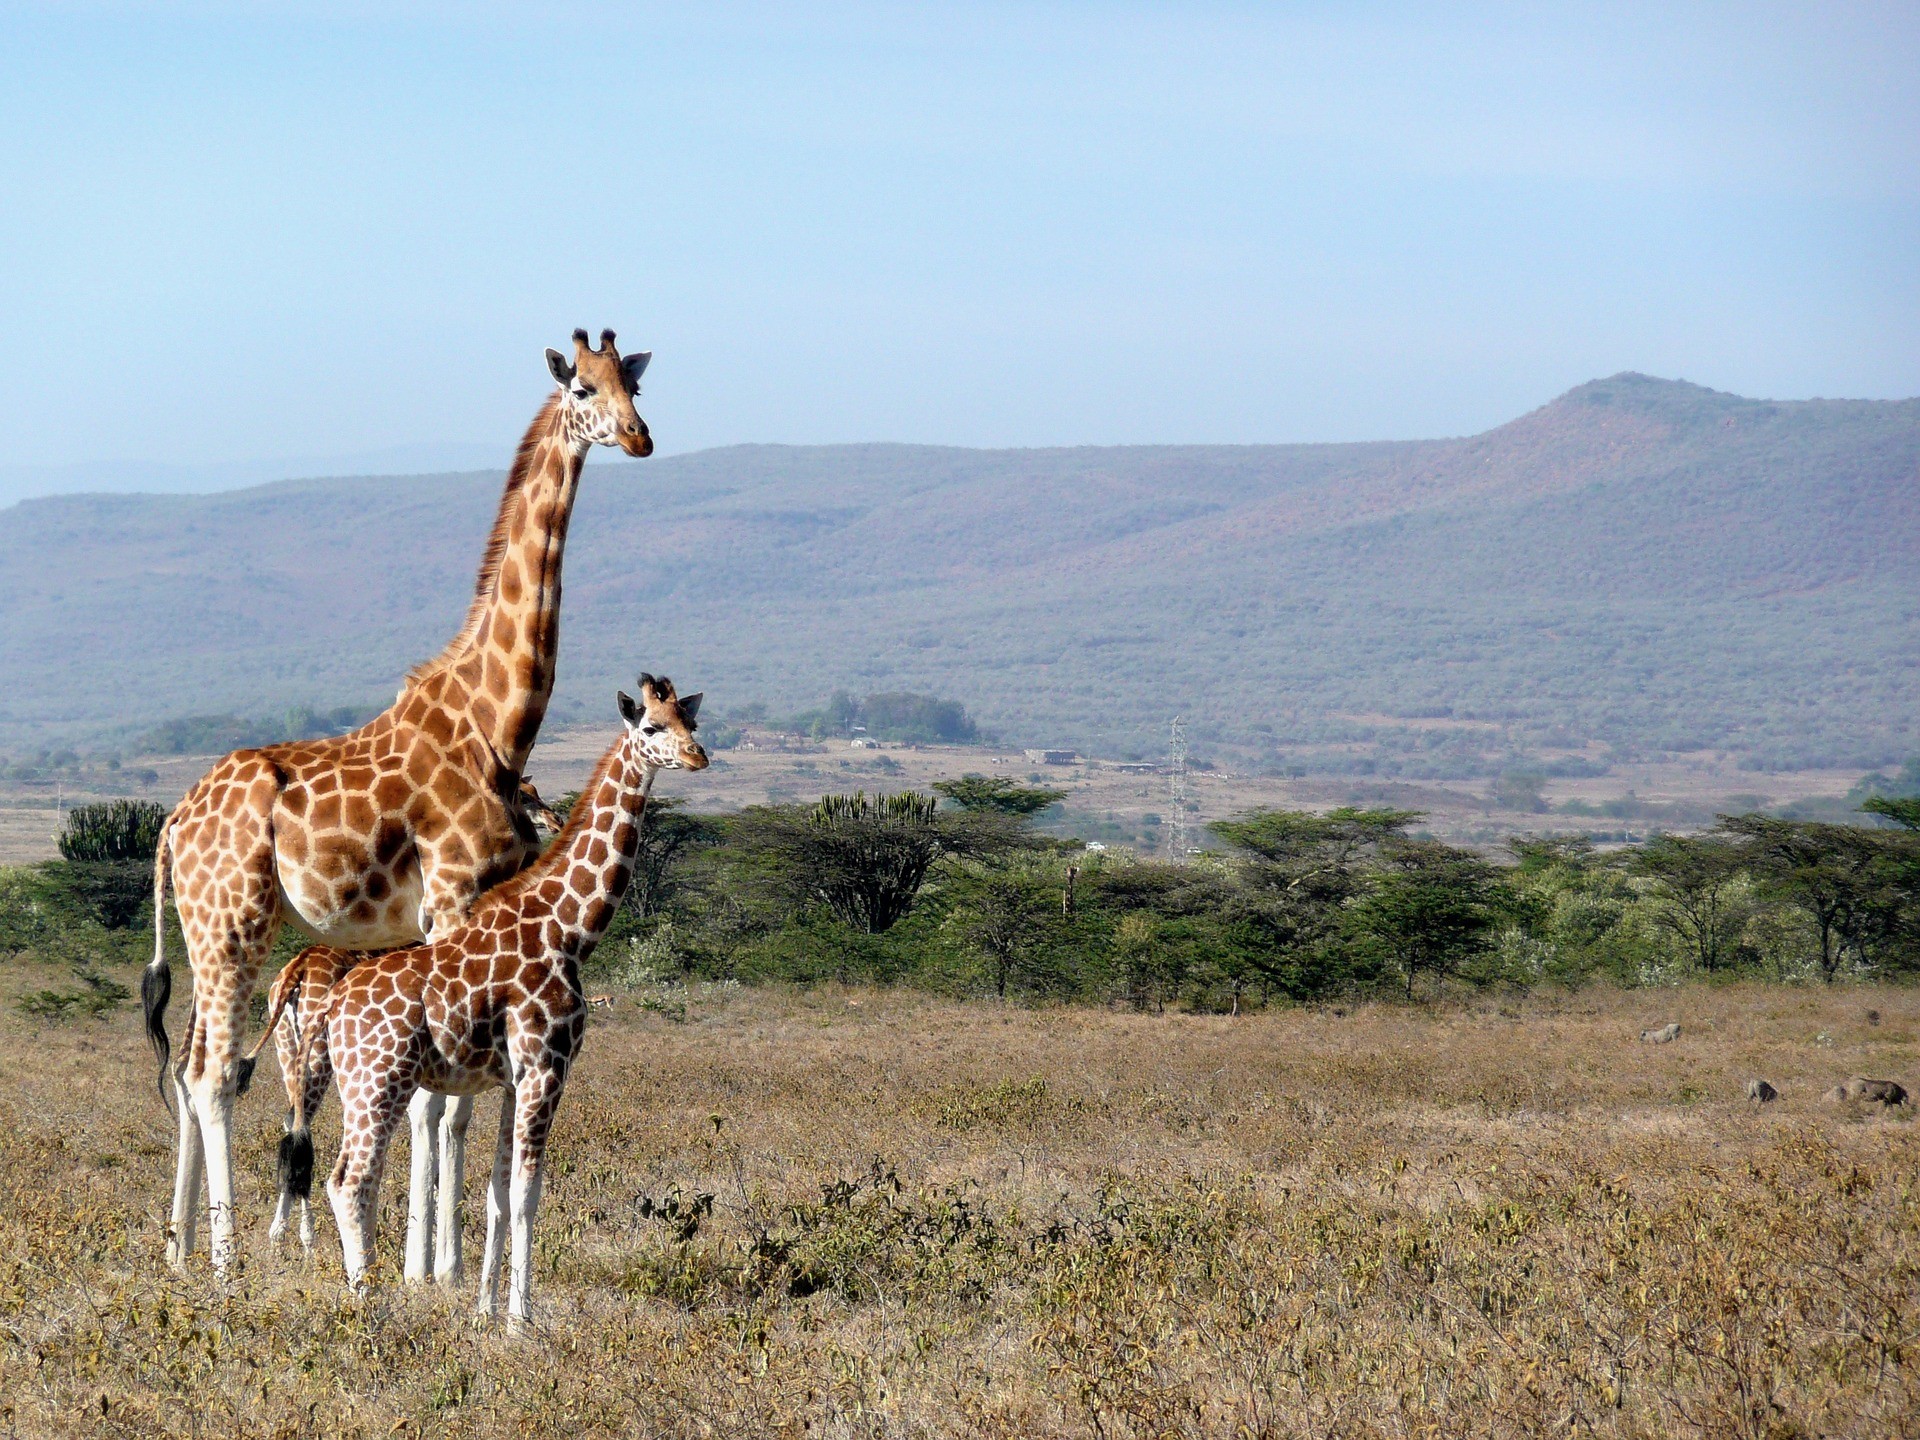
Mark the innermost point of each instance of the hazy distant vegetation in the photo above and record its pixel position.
(1642, 567)
(968, 898)
(957, 892)
(916, 719)
(216, 734)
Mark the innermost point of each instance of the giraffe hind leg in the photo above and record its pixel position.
(188, 1174)
(228, 902)
(210, 1075)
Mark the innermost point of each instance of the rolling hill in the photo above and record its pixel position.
(1641, 565)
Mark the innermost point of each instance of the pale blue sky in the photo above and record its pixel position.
(249, 233)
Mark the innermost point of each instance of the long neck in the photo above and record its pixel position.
(500, 667)
(593, 853)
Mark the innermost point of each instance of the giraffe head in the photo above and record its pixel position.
(537, 810)
(662, 725)
(597, 388)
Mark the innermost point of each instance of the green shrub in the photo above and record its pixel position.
(108, 892)
(116, 830)
(98, 994)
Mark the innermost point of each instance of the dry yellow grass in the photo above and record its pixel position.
(938, 1219)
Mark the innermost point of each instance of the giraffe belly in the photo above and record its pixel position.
(314, 911)
(445, 1077)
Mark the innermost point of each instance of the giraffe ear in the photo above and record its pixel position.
(690, 705)
(629, 712)
(561, 367)
(636, 366)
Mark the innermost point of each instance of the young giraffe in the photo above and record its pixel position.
(383, 836)
(495, 1001)
(439, 1159)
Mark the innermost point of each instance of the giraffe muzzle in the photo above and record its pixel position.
(637, 442)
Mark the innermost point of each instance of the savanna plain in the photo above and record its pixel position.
(876, 1213)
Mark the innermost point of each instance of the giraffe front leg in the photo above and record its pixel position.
(447, 1257)
(489, 1305)
(423, 1128)
(534, 1109)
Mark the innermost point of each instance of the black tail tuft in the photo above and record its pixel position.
(242, 1075)
(296, 1164)
(156, 988)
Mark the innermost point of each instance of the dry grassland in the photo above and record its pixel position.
(940, 1219)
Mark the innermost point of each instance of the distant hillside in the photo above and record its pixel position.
(1642, 565)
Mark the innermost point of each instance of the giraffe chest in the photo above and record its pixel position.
(480, 1033)
(467, 1048)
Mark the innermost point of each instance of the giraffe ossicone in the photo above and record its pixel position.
(382, 836)
(495, 1002)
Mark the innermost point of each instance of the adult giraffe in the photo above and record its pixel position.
(380, 837)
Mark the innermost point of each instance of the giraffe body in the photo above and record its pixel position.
(439, 1130)
(495, 1002)
(388, 834)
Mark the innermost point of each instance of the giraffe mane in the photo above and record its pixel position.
(496, 548)
(559, 850)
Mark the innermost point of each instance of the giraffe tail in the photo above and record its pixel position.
(284, 989)
(295, 1171)
(156, 981)
(295, 1179)
(296, 1146)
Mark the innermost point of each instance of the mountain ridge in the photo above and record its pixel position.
(1713, 570)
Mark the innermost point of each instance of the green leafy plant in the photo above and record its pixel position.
(117, 830)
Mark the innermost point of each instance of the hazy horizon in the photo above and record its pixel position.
(134, 477)
(239, 241)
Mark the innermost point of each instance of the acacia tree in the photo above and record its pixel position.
(1857, 886)
(1011, 914)
(1904, 811)
(668, 829)
(1296, 873)
(997, 794)
(1427, 909)
(1696, 892)
(866, 858)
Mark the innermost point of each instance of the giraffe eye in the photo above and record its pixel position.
(582, 391)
